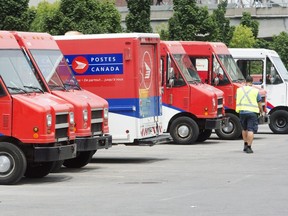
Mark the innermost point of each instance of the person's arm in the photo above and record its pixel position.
(259, 100)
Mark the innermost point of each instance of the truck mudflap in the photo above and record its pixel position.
(216, 123)
(153, 140)
(94, 143)
(54, 153)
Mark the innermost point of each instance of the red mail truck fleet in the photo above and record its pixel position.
(123, 69)
(36, 128)
(216, 67)
(91, 111)
(270, 74)
(191, 108)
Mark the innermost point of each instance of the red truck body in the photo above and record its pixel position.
(123, 69)
(36, 128)
(216, 67)
(91, 111)
(191, 108)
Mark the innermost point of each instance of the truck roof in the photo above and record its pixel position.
(105, 36)
(7, 41)
(252, 53)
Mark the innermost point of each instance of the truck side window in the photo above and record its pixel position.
(253, 68)
(272, 77)
(2, 92)
(218, 72)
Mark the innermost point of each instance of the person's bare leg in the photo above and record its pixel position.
(250, 137)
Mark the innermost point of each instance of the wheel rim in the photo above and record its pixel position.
(229, 128)
(281, 122)
(6, 164)
(183, 131)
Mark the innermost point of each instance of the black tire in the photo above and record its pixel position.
(38, 170)
(233, 131)
(12, 163)
(82, 159)
(204, 135)
(184, 130)
(57, 166)
(279, 122)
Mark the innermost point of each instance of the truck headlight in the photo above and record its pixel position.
(105, 113)
(49, 120)
(71, 118)
(85, 115)
(213, 102)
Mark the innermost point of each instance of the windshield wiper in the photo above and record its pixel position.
(73, 85)
(17, 89)
(35, 88)
(239, 80)
(57, 87)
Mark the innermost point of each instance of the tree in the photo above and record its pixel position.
(247, 20)
(242, 37)
(223, 31)
(138, 18)
(280, 45)
(15, 15)
(45, 12)
(163, 31)
(86, 16)
(190, 22)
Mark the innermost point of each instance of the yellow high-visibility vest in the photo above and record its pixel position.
(247, 99)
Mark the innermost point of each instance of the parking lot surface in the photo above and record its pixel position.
(211, 178)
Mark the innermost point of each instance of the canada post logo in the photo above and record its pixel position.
(94, 64)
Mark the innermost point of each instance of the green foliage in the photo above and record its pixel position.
(190, 22)
(86, 16)
(163, 31)
(262, 43)
(138, 18)
(247, 20)
(14, 15)
(280, 45)
(242, 38)
(223, 31)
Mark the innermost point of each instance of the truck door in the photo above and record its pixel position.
(149, 89)
(6, 111)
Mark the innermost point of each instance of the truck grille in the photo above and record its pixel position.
(96, 121)
(62, 126)
(220, 107)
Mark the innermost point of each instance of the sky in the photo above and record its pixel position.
(35, 2)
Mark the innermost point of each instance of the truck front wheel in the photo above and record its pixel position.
(232, 131)
(279, 122)
(12, 163)
(204, 134)
(82, 159)
(39, 169)
(184, 130)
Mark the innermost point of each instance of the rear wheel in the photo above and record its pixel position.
(12, 163)
(204, 134)
(184, 130)
(82, 159)
(38, 170)
(232, 131)
(279, 122)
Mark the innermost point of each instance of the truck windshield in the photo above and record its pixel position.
(55, 70)
(231, 67)
(187, 68)
(280, 67)
(17, 74)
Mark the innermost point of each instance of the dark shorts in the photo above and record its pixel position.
(249, 121)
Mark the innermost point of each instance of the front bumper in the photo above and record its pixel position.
(54, 153)
(93, 143)
(216, 123)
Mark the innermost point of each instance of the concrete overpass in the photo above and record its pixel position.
(273, 19)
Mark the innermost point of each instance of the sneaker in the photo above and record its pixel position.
(249, 150)
(245, 147)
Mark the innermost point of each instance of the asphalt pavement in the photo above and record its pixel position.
(206, 179)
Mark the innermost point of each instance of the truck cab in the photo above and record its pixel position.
(269, 73)
(191, 108)
(36, 128)
(216, 67)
